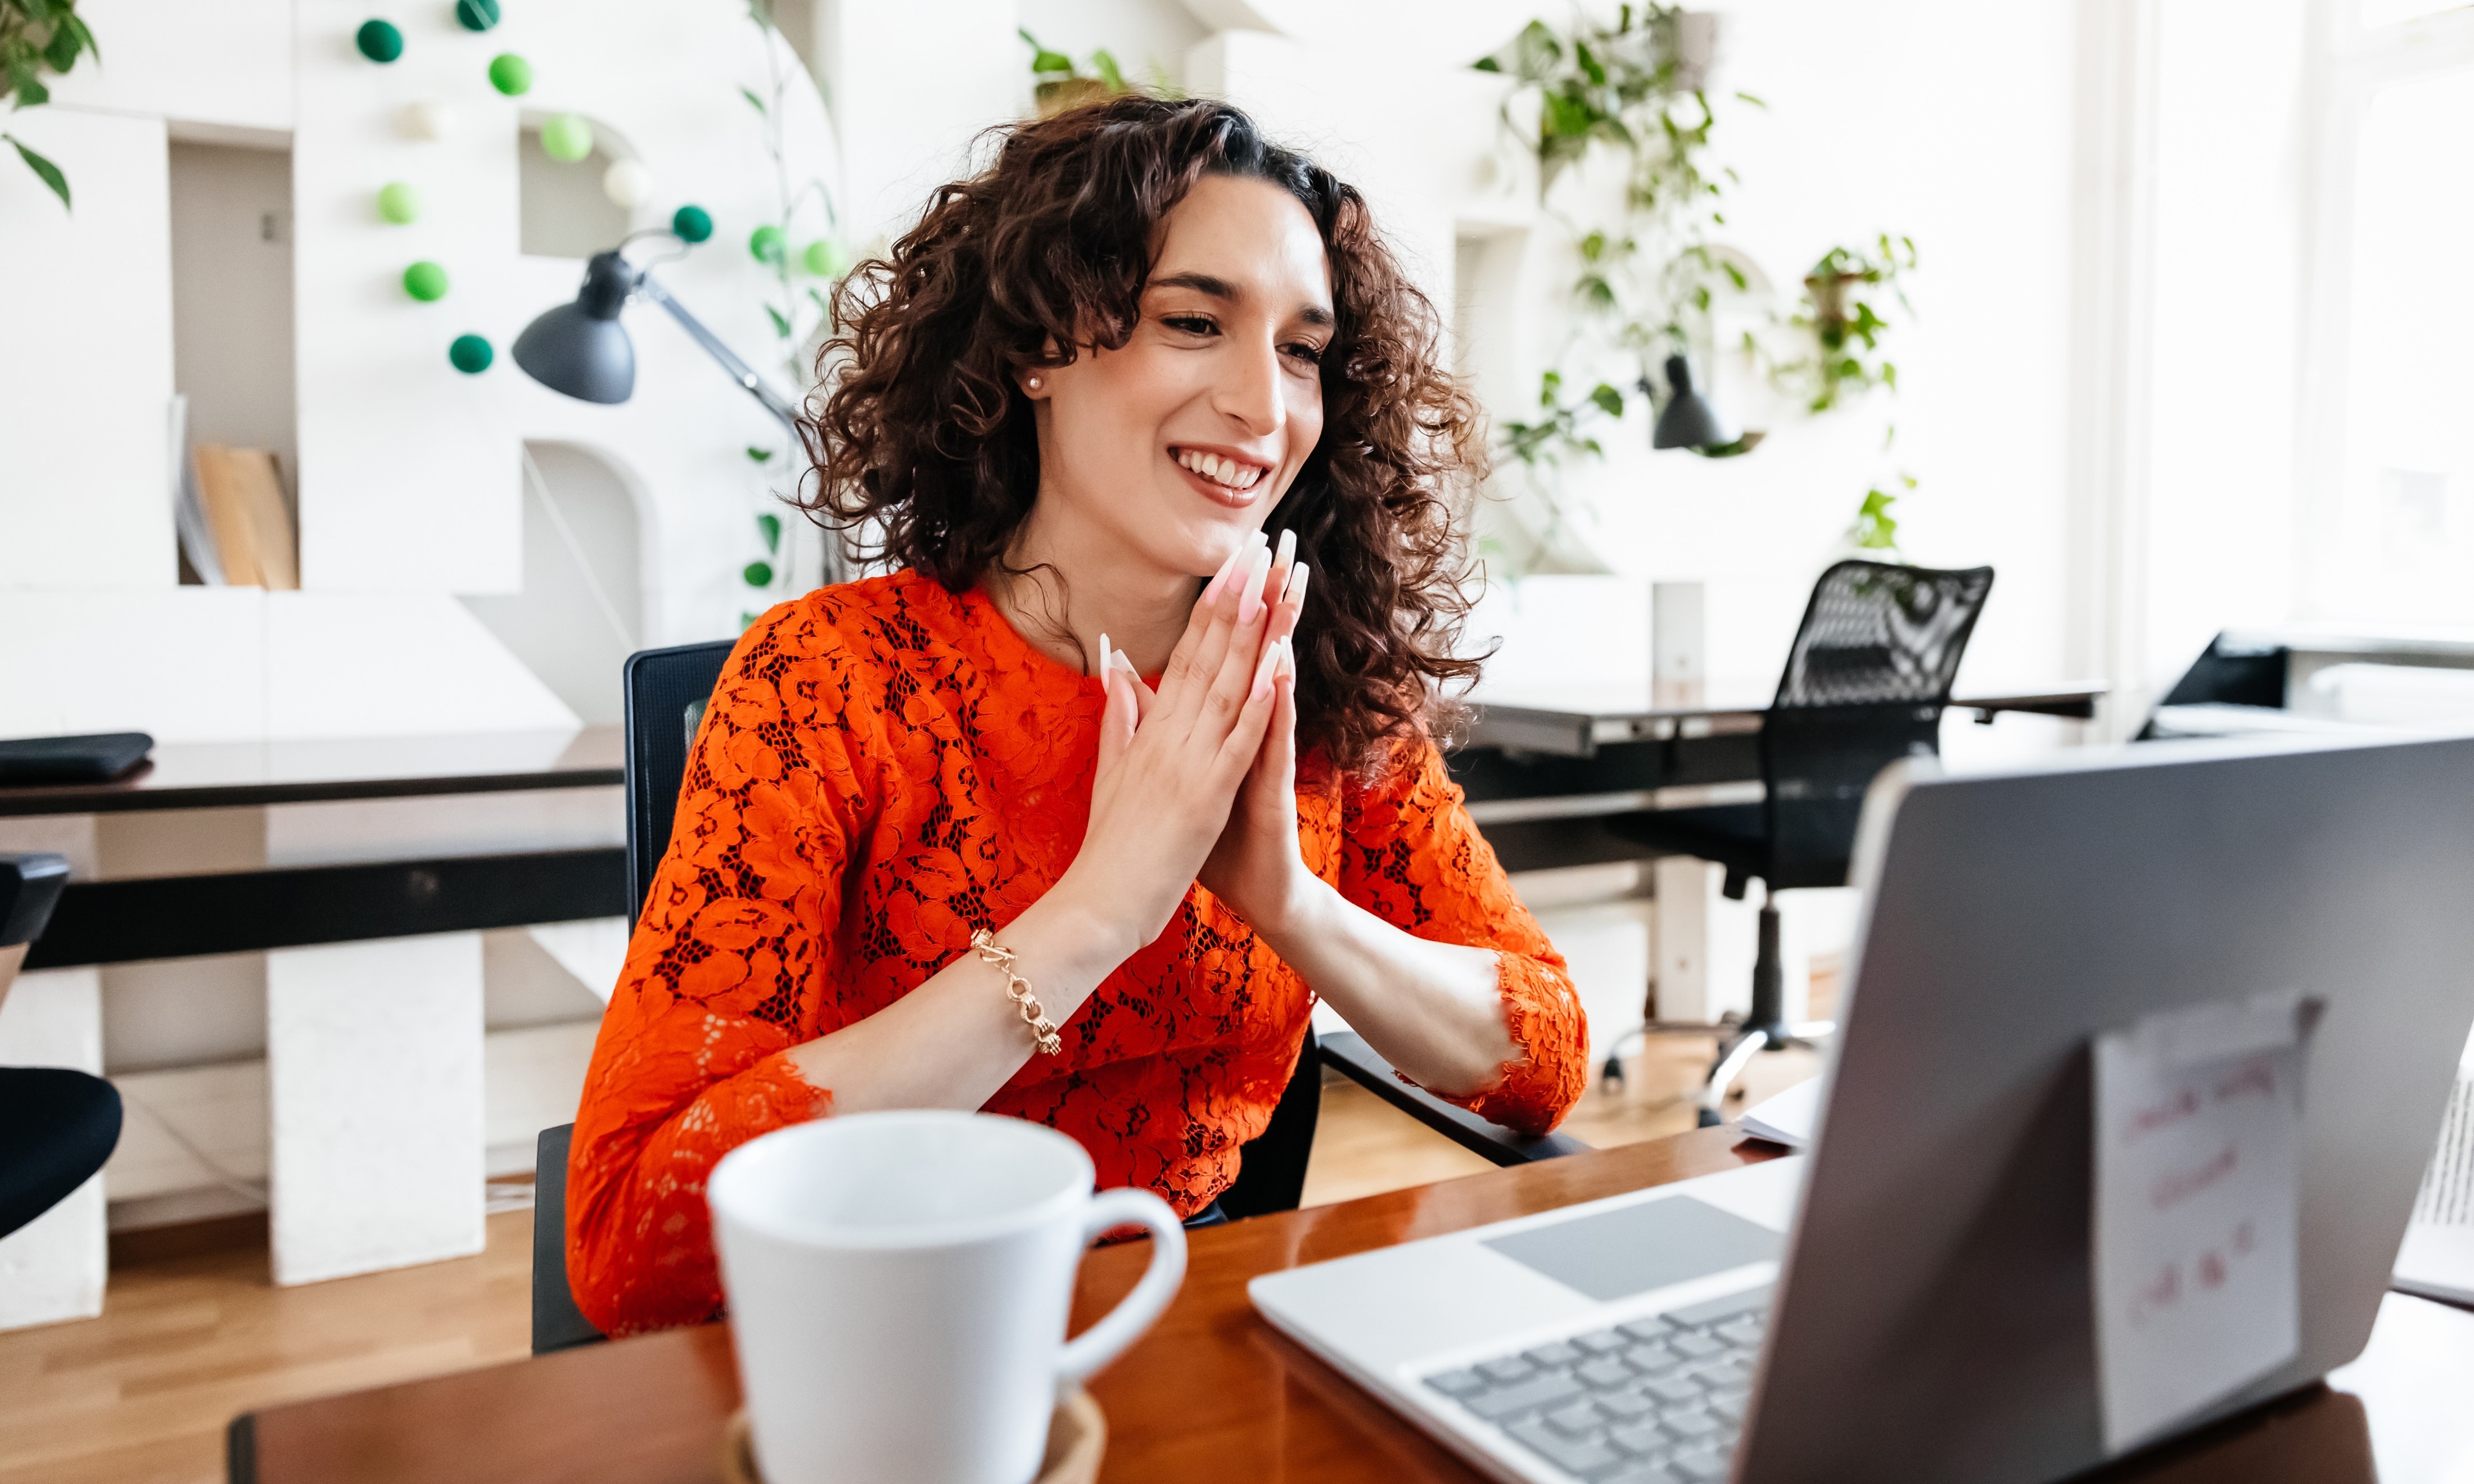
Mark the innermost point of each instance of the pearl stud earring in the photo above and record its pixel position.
(1034, 383)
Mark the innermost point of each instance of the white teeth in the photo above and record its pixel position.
(1222, 471)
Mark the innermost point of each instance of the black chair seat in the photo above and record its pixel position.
(56, 1127)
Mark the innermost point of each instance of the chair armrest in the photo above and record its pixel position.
(1348, 1051)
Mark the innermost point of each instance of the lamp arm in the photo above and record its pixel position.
(739, 371)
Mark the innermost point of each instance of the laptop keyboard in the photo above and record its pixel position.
(1656, 1400)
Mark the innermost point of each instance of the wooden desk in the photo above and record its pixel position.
(1215, 1394)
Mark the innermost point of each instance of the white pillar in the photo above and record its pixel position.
(373, 1061)
(52, 1268)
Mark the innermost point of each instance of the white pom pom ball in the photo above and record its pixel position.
(428, 119)
(627, 184)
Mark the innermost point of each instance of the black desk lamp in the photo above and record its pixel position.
(581, 348)
(1687, 421)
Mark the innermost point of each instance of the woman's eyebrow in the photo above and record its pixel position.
(1228, 293)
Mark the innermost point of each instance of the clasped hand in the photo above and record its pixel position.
(1197, 780)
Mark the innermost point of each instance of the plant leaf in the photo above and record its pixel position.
(1608, 400)
(772, 525)
(781, 325)
(753, 102)
(760, 455)
(1106, 62)
(44, 170)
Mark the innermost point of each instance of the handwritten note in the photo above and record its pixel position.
(2198, 1130)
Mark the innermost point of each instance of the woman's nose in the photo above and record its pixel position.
(1250, 389)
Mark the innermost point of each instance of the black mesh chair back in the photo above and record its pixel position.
(666, 691)
(1865, 684)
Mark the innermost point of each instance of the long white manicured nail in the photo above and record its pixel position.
(1264, 669)
(1297, 585)
(1126, 665)
(1219, 579)
(1104, 661)
(1249, 602)
(1288, 551)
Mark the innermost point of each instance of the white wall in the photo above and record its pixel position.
(1951, 123)
(84, 490)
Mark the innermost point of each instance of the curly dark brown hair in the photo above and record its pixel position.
(923, 429)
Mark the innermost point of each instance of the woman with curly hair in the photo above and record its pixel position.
(1095, 719)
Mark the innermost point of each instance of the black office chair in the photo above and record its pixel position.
(56, 1126)
(666, 691)
(1865, 684)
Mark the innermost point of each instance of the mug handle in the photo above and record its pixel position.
(1133, 1314)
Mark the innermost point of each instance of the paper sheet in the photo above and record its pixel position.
(1789, 1117)
(2198, 1133)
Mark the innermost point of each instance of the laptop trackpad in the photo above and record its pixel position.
(1634, 1249)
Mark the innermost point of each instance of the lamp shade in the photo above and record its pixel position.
(580, 348)
(1688, 419)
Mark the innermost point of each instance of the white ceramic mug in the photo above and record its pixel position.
(899, 1285)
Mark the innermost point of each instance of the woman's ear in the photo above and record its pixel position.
(1036, 382)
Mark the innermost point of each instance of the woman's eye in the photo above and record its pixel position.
(1188, 323)
(1307, 352)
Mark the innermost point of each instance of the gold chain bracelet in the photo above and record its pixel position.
(1043, 1030)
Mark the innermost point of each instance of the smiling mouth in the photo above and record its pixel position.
(1232, 474)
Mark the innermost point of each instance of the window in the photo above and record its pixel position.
(2390, 401)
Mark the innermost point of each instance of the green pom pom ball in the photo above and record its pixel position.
(758, 574)
(426, 282)
(379, 41)
(470, 354)
(398, 203)
(478, 14)
(567, 137)
(511, 75)
(693, 223)
(826, 258)
(764, 244)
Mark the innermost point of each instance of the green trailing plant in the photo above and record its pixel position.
(1838, 326)
(39, 38)
(798, 281)
(1648, 275)
(1557, 435)
(1875, 529)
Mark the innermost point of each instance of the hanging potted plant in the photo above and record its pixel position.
(1061, 84)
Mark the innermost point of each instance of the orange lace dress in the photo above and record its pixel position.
(885, 767)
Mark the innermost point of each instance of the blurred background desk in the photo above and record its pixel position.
(1213, 1393)
(346, 885)
(1543, 773)
(253, 907)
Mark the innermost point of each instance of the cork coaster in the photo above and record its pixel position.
(1076, 1436)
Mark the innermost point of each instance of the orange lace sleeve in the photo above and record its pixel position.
(1411, 855)
(740, 913)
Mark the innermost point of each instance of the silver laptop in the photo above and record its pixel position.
(1912, 1301)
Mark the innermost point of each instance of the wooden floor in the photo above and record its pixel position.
(143, 1392)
